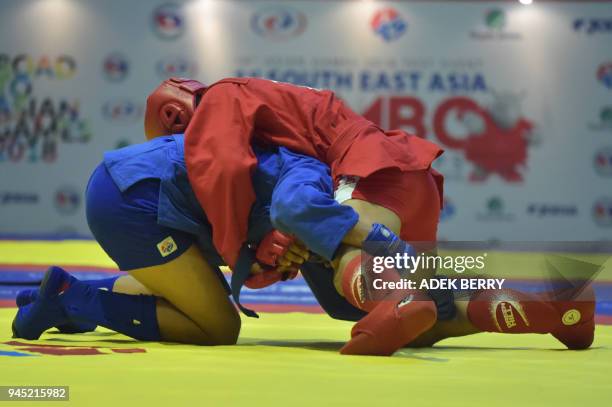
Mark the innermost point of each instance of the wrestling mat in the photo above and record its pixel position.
(288, 359)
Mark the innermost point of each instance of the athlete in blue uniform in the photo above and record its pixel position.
(142, 211)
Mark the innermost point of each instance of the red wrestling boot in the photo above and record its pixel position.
(570, 320)
(391, 325)
(577, 326)
(394, 319)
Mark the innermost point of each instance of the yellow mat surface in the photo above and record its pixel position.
(292, 360)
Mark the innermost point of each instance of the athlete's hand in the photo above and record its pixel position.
(280, 249)
(283, 254)
(261, 278)
(295, 256)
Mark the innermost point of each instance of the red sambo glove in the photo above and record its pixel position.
(273, 246)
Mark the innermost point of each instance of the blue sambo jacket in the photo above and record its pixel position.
(294, 194)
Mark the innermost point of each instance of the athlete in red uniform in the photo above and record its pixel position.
(235, 113)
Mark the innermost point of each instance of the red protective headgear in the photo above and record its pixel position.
(170, 107)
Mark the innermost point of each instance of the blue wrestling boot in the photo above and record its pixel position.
(46, 311)
(26, 297)
(64, 299)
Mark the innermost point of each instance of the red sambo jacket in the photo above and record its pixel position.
(235, 112)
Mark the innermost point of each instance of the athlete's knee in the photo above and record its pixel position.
(228, 335)
(222, 329)
(219, 339)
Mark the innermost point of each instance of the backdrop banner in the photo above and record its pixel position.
(520, 97)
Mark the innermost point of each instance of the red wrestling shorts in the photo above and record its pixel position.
(414, 196)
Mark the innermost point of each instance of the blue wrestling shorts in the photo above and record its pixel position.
(125, 224)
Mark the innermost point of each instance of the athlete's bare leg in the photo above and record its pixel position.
(369, 214)
(174, 325)
(193, 306)
(129, 285)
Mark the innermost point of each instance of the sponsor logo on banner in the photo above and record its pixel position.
(388, 24)
(602, 212)
(603, 161)
(448, 210)
(115, 67)
(176, 66)
(168, 21)
(604, 121)
(495, 211)
(18, 198)
(542, 210)
(278, 22)
(604, 74)
(67, 200)
(31, 128)
(593, 25)
(495, 19)
(494, 26)
(122, 111)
